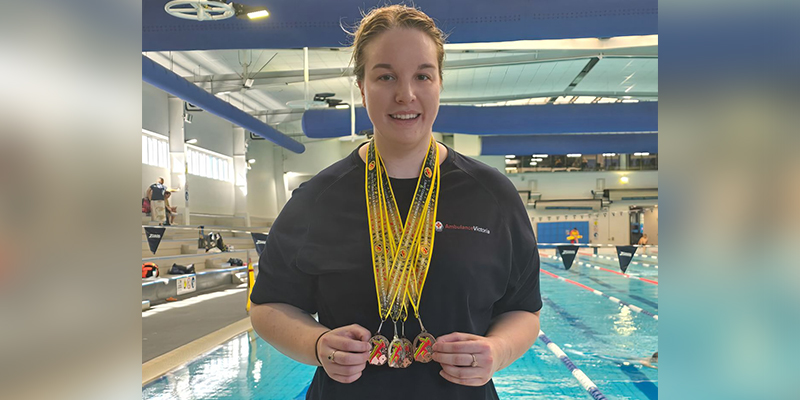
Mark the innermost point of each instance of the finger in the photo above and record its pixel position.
(465, 382)
(463, 372)
(457, 337)
(358, 332)
(466, 347)
(345, 370)
(345, 358)
(344, 343)
(460, 360)
(345, 378)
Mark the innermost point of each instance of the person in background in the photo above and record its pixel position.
(331, 251)
(155, 193)
(643, 240)
(170, 220)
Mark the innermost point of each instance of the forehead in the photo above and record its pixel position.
(401, 47)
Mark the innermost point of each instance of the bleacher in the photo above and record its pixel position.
(179, 245)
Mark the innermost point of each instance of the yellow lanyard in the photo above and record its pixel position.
(400, 253)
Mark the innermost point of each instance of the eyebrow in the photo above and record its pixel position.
(389, 66)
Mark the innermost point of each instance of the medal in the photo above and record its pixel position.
(401, 254)
(396, 351)
(380, 349)
(423, 345)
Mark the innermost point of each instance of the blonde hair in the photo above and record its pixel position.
(382, 19)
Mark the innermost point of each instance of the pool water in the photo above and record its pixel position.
(601, 337)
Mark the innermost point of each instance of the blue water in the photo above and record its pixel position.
(599, 336)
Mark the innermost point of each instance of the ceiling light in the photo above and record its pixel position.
(510, 156)
(609, 154)
(574, 155)
(512, 161)
(258, 14)
(534, 163)
(539, 155)
(641, 154)
(248, 83)
(191, 141)
(251, 161)
(623, 180)
(342, 106)
(536, 159)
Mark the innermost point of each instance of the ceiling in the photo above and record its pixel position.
(269, 82)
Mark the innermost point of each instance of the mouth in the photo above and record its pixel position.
(404, 117)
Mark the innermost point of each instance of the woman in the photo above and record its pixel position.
(355, 244)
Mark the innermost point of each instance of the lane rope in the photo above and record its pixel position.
(617, 260)
(599, 293)
(583, 264)
(584, 380)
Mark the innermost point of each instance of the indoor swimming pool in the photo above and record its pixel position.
(602, 320)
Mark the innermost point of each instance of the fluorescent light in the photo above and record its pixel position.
(191, 141)
(623, 179)
(630, 101)
(510, 156)
(342, 106)
(641, 154)
(536, 159)
(539, 155)
(534, 163)
(512, 161)
(251, 161)
(609, 154)
(248, 83)
(574, 155)
(258, 14)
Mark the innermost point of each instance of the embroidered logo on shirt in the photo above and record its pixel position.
(440, 227)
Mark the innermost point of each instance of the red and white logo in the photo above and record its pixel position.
(439, 226)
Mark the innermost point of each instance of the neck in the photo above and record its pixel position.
(403, 162)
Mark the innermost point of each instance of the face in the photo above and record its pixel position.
(401, 86)
(161, 180)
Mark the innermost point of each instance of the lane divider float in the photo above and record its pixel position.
(599, 293)
(584, 380)
(583, 264)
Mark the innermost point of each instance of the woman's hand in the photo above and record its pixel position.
(344, 351)
(467, 359)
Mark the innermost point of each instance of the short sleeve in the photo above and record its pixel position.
(522, 292)
(279, 280)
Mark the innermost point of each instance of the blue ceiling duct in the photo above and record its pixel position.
(512, 120)
(316, 23)
(566, 144)
(168, 81)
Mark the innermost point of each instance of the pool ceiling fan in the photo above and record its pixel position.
(213, 10)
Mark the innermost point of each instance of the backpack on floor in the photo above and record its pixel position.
(149, 270)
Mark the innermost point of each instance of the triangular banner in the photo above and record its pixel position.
(260, 239)
(625, 254)
(154, 236)
(567, 254)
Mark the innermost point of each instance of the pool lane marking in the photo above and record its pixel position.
(581, 263)
(617, 259)
(584, 380)
(599, 293)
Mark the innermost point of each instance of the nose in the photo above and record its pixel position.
(404, 92)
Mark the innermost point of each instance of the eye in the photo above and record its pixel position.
(385, 78)
(423, 77)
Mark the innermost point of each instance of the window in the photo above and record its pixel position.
(155, 149)
(208, 164)
(580, 162)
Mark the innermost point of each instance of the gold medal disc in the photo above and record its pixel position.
(380, 350)
(396, 353)
(423, 347)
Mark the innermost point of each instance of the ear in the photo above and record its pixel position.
(361, 89)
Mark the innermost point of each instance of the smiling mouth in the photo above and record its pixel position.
(404, 116)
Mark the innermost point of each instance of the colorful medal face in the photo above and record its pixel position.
(396, 353)
(423, 347)
(408, 348)
(380, 350)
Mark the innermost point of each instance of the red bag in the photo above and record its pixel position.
(145, 205)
